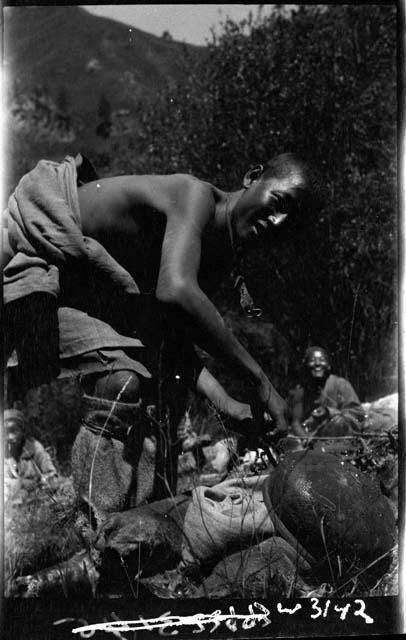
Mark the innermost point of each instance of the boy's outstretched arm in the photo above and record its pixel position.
(178, 285)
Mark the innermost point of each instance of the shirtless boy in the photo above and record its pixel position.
(174, 235)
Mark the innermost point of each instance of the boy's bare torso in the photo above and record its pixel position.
(129, 215)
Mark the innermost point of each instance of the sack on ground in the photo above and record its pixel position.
(269, 569)
(220, 517)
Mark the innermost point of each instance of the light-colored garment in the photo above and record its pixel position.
(80, 333)
(381, 414)
(45, 236)
(88, 345)
(337, 393)
(390, 403)
(338, 396)
(44, 233)
(34, 463)
(232, 512)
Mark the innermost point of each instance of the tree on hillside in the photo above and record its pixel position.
(322, 82)
(104, 113)
(104, 108)
(63, 104)
(63, 101)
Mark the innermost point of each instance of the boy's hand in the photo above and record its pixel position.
(275, 406)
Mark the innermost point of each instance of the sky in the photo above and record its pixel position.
(185, 22)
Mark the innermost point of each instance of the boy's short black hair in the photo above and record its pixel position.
(310, 350)
(287, 165)
(13, 418)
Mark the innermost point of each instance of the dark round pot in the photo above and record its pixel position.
(335, 511)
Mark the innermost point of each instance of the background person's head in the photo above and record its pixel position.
(316, 363)
(282, 193)
(14, 432)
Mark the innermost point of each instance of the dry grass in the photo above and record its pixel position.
(40, 532)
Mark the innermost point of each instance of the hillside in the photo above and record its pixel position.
(68, 71)
(86, 54)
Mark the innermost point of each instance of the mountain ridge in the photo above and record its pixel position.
(79, 82)
(56, 47)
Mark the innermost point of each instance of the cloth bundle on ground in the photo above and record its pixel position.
(153, 533)
(335, 511)
(113, 456)
(43, 229)
(268, 569)
(221, 454)
(228, 514)
(381, 414)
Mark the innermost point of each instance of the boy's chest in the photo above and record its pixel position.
(216, 265)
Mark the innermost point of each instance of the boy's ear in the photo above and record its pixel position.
(253, 174)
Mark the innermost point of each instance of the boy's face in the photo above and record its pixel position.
(14, 437)
(318, 363)
(264, 205)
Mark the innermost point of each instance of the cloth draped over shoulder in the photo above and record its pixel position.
(338, 393)
(45, 237)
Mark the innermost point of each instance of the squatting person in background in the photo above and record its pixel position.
(27, 465)
(323, 401)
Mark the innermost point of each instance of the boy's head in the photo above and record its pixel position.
(282, 191)
(317, 362)
(14, 430)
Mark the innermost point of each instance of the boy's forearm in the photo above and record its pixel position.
(211, 334)
(298, 429)
(211, 388)
(214, 336)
